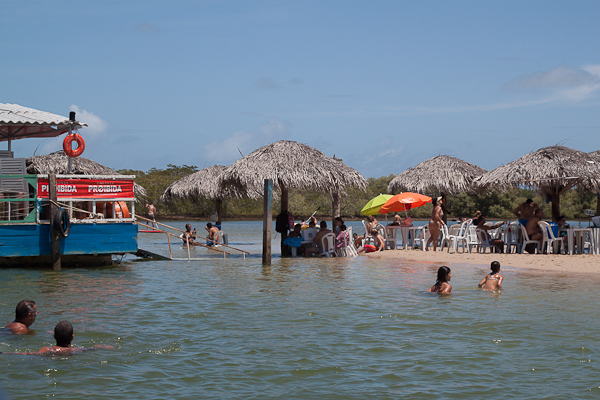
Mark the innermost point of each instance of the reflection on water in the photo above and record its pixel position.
(316, 328)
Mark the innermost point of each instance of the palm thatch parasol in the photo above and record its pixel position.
(596, 157)
(292, 165)
(57, 163)
(204, 183)
(444, 174)
(551, 170)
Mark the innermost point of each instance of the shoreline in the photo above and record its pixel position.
(580, 263)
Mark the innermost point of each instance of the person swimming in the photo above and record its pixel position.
(493, 280)
(443, 277)
(25, 315)
(63, 334)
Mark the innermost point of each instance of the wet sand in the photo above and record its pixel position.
(584, 263)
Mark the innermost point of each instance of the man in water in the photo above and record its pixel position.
(213, 231)
(152, 214)
(25, 315)
(316, 249)
(188, 235)
(63, 334)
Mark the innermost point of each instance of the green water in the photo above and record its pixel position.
(301, 329)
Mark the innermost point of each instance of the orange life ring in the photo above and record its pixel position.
(67, 145)
(121, 210)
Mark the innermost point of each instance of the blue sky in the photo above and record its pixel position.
(384, 85)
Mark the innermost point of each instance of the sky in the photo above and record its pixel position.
(383, 85)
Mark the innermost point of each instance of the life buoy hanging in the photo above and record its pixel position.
(70, 138)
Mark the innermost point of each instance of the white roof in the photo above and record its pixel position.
(18, 122)
(16, 114)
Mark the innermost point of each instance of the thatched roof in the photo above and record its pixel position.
(550, 169)
(57, 163)
(292, 165)
(443, 174)
(204, 183)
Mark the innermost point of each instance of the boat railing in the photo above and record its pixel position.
(87, 198)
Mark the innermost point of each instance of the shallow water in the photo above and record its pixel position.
(301, 329)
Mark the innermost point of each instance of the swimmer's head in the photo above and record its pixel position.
(26, 311)
(444, 274)
(63, 333)
(495, 267)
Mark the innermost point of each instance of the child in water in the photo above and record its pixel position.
(493, 280)
(441, 284)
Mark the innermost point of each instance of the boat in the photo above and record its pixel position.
(59, 220)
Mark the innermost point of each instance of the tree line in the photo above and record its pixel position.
(303, 203)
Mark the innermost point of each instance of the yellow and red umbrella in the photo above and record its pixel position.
(375, 204)
(404, 201)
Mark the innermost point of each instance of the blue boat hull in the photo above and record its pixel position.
(33, 240)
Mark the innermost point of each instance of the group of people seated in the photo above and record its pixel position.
(189, 236)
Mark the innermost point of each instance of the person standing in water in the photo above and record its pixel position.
(493, 280)
(441, 284)
(25, 315)
(152, 214)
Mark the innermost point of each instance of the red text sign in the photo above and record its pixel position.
(88, 188)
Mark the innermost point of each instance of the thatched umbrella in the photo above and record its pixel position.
(204, 183)
(57, 163)
(596, 157)
(551, 170)
(292, 165)
(442, 174)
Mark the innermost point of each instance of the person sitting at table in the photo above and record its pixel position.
(342, 239)
(525, 211)
(371, 224)
(397, 220)
(481, 226)
(534, 232)
(379, 243)
(316, 249)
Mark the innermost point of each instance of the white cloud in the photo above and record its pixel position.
(226, 151)
(96, 126)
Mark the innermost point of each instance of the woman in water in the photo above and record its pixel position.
(493, 280)
(443, 277)
(435, 224)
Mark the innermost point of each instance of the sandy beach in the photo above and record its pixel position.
(584, 263)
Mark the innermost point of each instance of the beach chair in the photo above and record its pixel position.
(444, 237)
(484, 242)
(526, 241)
(351, 248)
(423, 237)
(512, 237)
(390, 239)
(459, 237)
(368, 238)
(328, 243)
(550, 243)
(472, 240)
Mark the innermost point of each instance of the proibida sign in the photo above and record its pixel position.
(89, 188)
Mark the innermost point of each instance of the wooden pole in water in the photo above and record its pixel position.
(284, 207)
(267, 222)
(54, 240)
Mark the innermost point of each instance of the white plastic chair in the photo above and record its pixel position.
(444, 237)
(423, 237)
(484, 242)
(472, 239)
(459, 237)
(525, 241)
(512, 237)
(549, 240)
(328, 245)
(368, 237)
(351, 249)
(390, 239)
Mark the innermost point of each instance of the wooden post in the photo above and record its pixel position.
(335, 207)
(284, 207)
(267, 221)
(219, 209)
(555, 199)
(54, 239)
